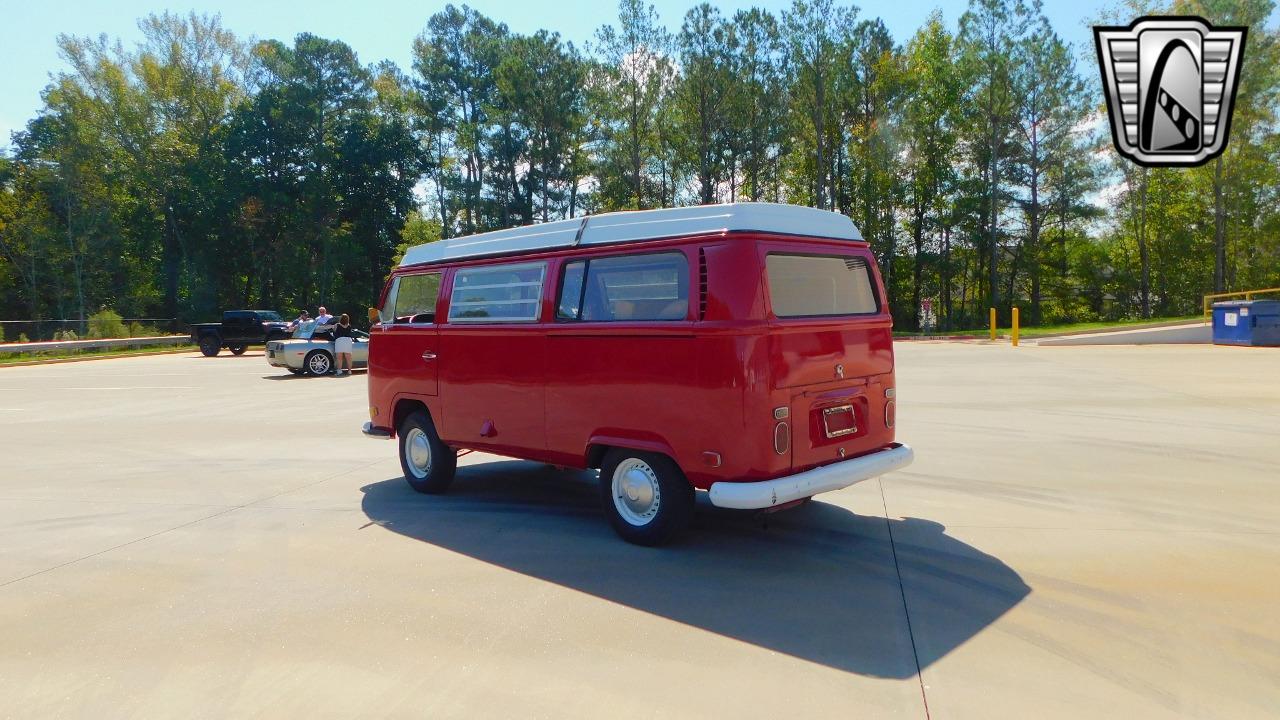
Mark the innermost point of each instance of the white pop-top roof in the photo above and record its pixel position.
(622, 227)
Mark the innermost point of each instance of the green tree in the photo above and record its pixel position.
(627, 96)
(1049, 104)
(930, 116)
(757, 113)
(456, 60)
(708, 85)
(989, 32)
(817, 37)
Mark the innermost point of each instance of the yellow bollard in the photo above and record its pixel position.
(1015, 327)
(993, 324)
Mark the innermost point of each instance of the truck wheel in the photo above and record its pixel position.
(427, 462)
(318, 362)
(210, 346)
(238, 349)
(647, 498)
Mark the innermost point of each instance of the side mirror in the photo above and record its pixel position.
(373, 316)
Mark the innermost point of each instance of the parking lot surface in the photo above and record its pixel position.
(1086, 532)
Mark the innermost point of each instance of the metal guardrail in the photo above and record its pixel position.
(1248, 295)
(33, 347)
(45, 329)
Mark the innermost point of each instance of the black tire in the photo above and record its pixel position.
(317, 362)
(644, 517)
(238, 349)
(428, 464)
(210, 346)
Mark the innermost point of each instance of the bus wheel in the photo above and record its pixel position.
(427, 462)
(647, 498)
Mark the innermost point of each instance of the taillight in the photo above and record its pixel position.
(890, 413)
(781, 438)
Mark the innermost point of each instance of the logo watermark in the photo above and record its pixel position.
(1170, 84)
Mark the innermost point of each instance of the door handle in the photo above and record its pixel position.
(428, 356)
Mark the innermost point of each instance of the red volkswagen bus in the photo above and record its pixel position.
(743, 350)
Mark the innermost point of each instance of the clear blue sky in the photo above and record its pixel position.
(378, 29)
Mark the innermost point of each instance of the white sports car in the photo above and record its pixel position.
(310, 350)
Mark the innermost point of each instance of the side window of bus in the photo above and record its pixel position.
(413, 299)
(497, 293)
(625, 288)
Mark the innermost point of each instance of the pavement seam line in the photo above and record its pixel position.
(117, 547)
(183, 525)
(902, 591)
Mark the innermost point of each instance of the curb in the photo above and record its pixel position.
(119, 356)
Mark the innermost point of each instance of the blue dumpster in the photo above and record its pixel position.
(1247, 322)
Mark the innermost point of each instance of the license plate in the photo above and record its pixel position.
(837, 421)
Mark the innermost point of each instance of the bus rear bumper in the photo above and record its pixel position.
(779, 491)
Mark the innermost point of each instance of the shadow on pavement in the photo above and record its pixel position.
(819, 583)
(286, 375)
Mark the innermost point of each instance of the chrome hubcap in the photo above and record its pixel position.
(635, 491)
(319, 364)
(417, 452)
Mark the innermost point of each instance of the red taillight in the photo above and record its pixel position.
(781, 438)
(890, 413)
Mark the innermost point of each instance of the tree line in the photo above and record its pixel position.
(198, 171)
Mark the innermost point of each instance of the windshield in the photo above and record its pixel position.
(269, 315)
(305, 330)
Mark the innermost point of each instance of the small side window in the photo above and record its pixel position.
(387, 311)
(498, 293)
(413, 299)
(571, 286)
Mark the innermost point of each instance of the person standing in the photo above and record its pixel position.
(342, 344)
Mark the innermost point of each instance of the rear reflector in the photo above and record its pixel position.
(781, 438)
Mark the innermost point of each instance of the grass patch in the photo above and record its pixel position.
(99, 354)
(1043, 330)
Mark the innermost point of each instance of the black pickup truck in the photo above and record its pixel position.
(238, 330)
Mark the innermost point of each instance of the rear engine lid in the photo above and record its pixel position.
(830, 352)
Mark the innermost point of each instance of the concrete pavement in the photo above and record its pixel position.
(1086, 531)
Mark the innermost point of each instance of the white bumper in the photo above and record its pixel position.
(768, 493)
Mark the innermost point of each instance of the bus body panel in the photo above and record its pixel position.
(710, 389)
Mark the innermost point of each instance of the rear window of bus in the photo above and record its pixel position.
(820, 285)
